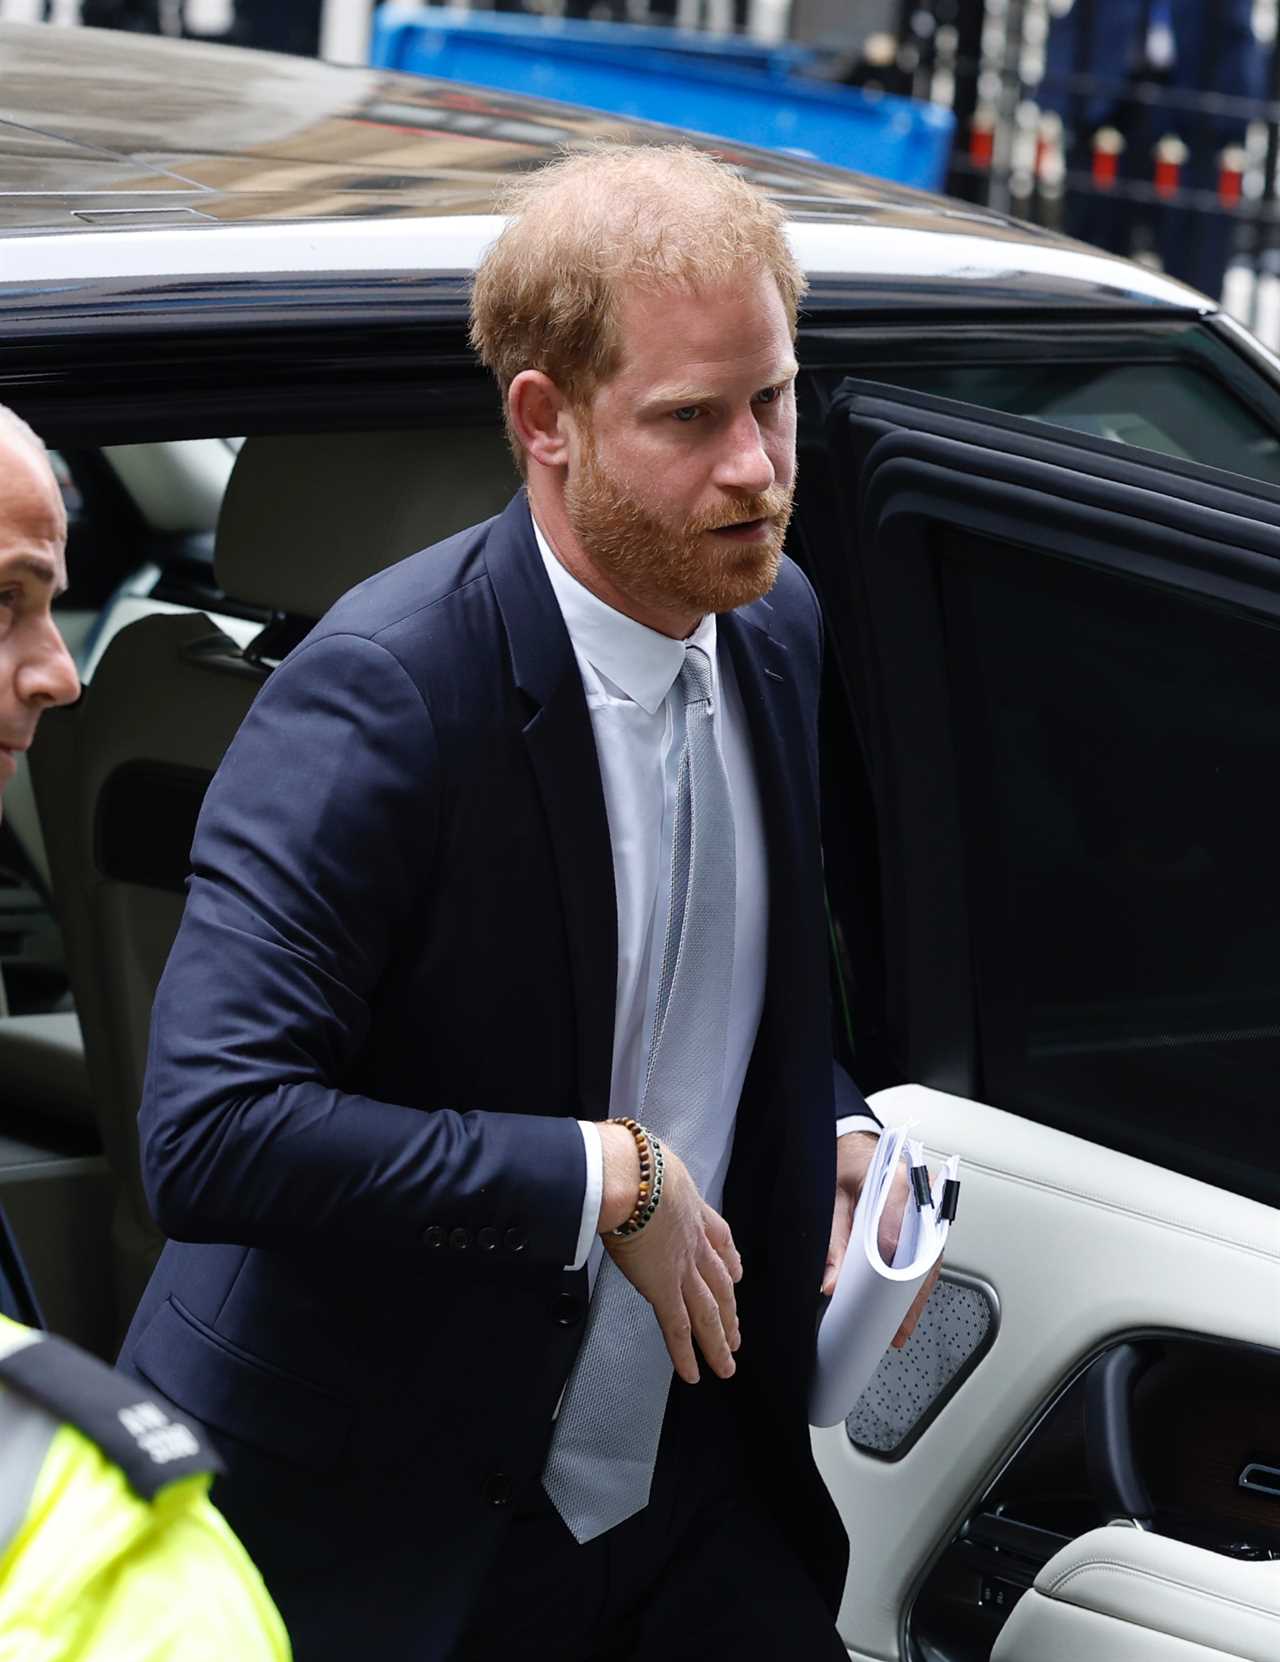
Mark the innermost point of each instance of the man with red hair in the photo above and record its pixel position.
(491, 1078)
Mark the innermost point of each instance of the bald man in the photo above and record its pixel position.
(104, 1511)
(36, 670)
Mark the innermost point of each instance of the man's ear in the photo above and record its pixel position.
(539, 412)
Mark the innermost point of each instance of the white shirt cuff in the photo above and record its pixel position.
(593, 1196)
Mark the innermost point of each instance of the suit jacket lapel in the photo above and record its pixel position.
(562, 752)
(779, 746)
(781, 752)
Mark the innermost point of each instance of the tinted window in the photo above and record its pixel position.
(1171, 408)
(1119, 751)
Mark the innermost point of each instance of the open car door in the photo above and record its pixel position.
(1061, 657)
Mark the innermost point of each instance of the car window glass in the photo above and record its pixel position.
(1172, 408)
(1118, 743)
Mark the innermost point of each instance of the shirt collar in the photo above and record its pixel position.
(638, 660)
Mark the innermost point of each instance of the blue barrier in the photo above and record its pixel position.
(396, 26)
(727, 87)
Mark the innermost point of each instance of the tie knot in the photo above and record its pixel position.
(695, 676)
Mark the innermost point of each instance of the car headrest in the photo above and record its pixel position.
(306, 516)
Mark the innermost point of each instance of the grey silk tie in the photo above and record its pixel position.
(600, 1465)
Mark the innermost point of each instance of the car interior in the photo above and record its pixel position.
(1078, 1451)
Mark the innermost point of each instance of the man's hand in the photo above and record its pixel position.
(854, 1153)
(683, 1261)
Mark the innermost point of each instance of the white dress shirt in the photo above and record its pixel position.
(629, 674)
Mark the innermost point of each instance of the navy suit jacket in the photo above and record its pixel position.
(391, 995)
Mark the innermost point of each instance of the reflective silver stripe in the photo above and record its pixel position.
(26, 1431)
(14, 1338)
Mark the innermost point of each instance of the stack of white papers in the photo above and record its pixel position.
(871, 1297)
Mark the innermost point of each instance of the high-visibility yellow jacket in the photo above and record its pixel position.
(110, 1549)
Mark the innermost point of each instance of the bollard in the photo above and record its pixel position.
(1108, 146)
(1050, 171)
(982, 136)
(1231, 166)
(1171, 156)
(1048, 146)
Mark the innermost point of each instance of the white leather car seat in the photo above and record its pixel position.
(120, 776)
(1124, 1595)
(305, 517)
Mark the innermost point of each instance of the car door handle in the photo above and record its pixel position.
(1263, 1480)
(1109, 1447)
(1030, 1541)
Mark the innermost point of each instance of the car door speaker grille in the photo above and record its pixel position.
(955, 1330)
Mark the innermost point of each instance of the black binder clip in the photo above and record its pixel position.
(920, 1186)
(950, 1199)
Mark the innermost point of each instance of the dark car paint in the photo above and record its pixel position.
(103, 132)
(142, 123)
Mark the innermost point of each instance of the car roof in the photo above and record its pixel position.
(129, 161)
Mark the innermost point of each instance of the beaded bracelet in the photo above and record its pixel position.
(649, 1192)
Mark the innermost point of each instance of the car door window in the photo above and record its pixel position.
(1173, 408)
(1072, 714)
(1120, 744)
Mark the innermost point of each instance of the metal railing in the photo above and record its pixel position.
(1150, 127)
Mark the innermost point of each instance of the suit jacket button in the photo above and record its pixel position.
(568, 1310)
(487, 1239)
(497, 1489)
(460, 1239)
(514, 1240)
(434, 1237)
